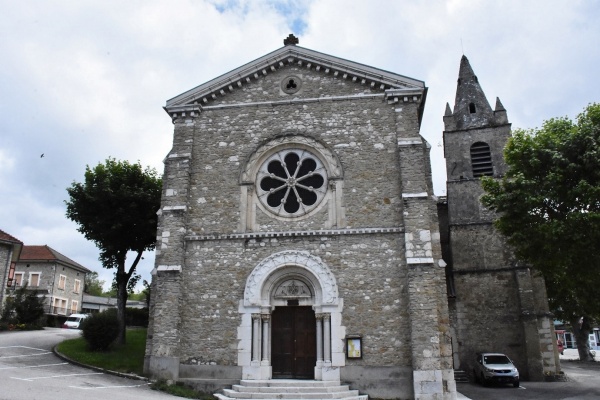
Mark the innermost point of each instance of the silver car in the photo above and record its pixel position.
(495, 367)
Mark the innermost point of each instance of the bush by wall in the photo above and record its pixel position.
(136, 317)
(23, 310)
(100, 330)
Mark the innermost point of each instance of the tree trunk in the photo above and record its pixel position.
(581, 330)
(121, 305)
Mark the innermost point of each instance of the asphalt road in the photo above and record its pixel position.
(29, 370)
(583, 383)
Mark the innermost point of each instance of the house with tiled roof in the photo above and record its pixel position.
(52, 275)
(10, 249)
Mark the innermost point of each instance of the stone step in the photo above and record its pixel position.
(359, 397)
(288, 383)
(289, 395)
(461, 376)
(290, 389)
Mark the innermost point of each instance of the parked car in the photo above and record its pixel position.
(560, 346)
(495, 367)
(74, 321)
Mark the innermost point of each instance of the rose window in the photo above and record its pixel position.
(291, 182)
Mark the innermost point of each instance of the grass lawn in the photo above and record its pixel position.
(128, 358)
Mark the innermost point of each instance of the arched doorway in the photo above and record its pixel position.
(291, 320)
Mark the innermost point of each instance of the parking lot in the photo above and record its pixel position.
(582, 383)
(30, 370)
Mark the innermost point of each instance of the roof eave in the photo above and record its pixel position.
(286, 56)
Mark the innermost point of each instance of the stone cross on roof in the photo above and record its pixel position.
(291, 39)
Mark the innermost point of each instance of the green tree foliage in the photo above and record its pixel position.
(24, 309)
(93, 285)
(100, 330)
(115, 207)
(549, 210)
(143, 295)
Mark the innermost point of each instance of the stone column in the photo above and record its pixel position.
(255, 338)
(265, 339)
(327, 338)
(319, 318)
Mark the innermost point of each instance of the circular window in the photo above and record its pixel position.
(291, 84)
(291, 182)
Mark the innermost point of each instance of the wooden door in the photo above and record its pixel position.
(293, 352)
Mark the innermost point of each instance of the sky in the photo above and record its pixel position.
(81, 81)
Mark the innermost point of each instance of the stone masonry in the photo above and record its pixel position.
(301, 181)
(497, 304)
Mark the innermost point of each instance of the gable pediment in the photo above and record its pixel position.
(212, 92)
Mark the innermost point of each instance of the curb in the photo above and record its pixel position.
(106, 371)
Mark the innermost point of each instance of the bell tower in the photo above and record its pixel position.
(496, 303)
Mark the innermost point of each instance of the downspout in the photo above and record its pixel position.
(51, 300)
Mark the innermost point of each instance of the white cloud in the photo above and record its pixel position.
(82, 81)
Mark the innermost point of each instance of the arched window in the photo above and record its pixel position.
(481, 160)
(472, 108)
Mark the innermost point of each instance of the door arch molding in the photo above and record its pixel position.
(268, 272)
(260, 300)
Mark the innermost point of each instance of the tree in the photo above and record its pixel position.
(115, 207)
(549, 210)
(93, 285)
(142, 295)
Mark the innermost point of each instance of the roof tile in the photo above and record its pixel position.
(46, 253)
(5, 237)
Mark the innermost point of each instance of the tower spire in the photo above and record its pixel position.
(471, 108)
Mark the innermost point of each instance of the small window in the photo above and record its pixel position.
(291, 84)
(481, 160)
(34, 279)
(77, 286)
(472, 108)
(59, 306)
(18, 279)
(74, 306)
(61, 282)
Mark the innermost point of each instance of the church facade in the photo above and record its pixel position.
(299, 237)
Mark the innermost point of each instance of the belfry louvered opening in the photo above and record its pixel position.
(481, 160)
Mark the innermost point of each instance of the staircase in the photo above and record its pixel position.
(289, 389)
(461, 376)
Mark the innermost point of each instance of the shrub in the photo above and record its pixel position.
(100, 330)
(23, 310)
(180, 390)
(136, 317)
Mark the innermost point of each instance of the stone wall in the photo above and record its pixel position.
(369, 270)
(457, 146)
(213, 232)
(49, 280)
(499, 305)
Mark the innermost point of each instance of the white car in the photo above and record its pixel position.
(495, 367)
(74, 321)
